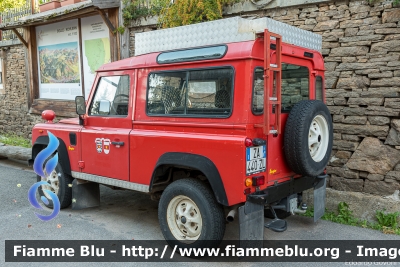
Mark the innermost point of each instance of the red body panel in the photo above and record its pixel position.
(62, 131)
(146, 138)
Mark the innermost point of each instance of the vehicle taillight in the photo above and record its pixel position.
(248, 182)
(258, 180)
(248, 142)
(247, 191)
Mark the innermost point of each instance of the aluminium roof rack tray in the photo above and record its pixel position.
(222, 31)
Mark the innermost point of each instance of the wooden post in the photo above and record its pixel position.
(33, 5)
(124, 38)
(81, 61)
(114, 38)
(34, 73)
(20, 37)
(107, 21)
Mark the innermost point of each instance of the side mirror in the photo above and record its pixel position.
(80, 105)
(104, 107)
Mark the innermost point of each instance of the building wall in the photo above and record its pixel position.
(14, 114)
(361, 49)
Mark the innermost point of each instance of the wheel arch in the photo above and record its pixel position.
(197, 162)
(42, 142)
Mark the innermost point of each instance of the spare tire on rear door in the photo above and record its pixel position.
(308, 137)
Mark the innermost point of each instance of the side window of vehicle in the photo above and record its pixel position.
(294, 85)
(111, 97)
(166, 93)
(318, 88)
(201, 93)
(258, 91)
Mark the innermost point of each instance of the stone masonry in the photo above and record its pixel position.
(14, 114)
(361, 48)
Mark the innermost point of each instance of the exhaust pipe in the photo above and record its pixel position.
(231, 215)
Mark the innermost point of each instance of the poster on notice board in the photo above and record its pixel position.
(96, 48)
(59, 60)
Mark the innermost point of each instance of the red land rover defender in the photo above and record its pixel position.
(216, 118)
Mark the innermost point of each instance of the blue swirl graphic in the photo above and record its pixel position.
(44, 154)
(33, 201)
(45, 172)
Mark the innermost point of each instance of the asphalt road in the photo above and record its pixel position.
(127, 215)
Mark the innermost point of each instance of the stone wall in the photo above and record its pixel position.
(14, 116)
(361, 48)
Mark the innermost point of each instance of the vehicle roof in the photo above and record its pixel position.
(238, 50)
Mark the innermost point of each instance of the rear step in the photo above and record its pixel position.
(276, 225)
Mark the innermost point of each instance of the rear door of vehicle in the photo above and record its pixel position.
(296, 85)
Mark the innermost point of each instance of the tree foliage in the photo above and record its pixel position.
(177, 12)
(7, 4)
(185, 12)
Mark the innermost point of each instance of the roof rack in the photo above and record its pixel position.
(222, 31)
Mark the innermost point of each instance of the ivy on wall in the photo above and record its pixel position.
(173, 13)
(177, 12)
(185, 12)
(133, 9)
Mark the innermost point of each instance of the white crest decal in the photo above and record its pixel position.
(99, 145)
(107, 146)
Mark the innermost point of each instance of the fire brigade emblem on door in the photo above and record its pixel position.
(103, 145)
(106, 143)
(99, 145)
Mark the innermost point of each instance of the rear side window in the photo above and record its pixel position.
(295, 87)
(204, 93)
(258, 91)
(318, 88)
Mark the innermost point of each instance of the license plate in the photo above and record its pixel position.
(256, 159)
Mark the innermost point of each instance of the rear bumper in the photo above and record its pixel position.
(293, 186)
(251, 214)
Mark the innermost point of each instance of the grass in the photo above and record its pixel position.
(387, 222)
(15, 140)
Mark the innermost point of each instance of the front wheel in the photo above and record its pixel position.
(190, 216)
(60, 184)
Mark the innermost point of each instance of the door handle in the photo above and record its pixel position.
(117, 143)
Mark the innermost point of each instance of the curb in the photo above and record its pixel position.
(364, 206)
(15, 152)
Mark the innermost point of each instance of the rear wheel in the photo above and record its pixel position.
(60, 184)
(190, 216)
(308, 137)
